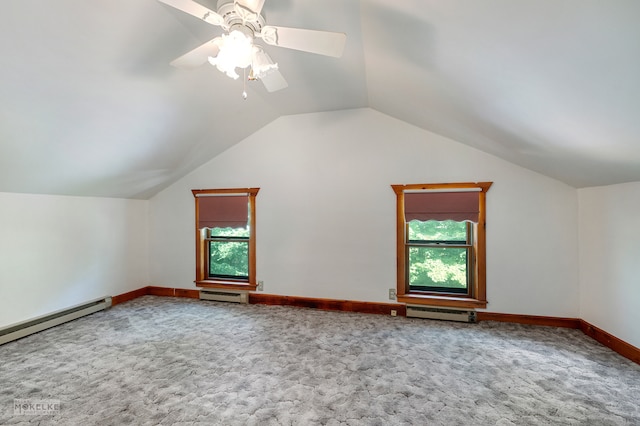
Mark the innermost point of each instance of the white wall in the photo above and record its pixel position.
(610, 258)
(326, 212)
(58, 251)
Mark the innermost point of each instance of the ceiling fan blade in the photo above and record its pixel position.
(198, 56)
(253, 5)
(274, 81)
(196, 9)
(320, 42)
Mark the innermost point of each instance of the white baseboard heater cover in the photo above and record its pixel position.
(235, 296)
(438, 313)
(25, 328)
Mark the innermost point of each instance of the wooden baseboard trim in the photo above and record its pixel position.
(161, 291)
(125, 297)
(155, 291)
(185, 292)
(530, 319)
(172, 292)
(329, 304)
(625, 349)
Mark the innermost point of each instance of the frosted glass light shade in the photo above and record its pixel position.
(236, 51)
(262, 64)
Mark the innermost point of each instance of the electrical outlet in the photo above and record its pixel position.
(260, 285)
(392, 294)
(394, 313)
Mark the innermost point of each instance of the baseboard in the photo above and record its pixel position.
(184, 292)
(154, 291)
(625, 349)
(172, 292)
(161, 291)
(125, 297)
(329, 304)
(530, 319)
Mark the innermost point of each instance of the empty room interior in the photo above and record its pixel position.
(446, 191)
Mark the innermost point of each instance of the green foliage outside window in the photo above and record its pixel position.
(431, 263)
(229, 257)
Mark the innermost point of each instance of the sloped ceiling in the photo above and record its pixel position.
(90, 106)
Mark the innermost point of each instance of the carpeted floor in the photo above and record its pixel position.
(183, 361)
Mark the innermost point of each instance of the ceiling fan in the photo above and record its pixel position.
(243, 23)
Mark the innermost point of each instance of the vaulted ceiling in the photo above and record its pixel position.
(89, 104)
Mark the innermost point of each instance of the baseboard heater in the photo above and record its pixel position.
(429, 312)
(25, 328)
(235, 296)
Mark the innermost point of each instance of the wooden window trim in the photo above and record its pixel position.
(478, 297)
(201, 251)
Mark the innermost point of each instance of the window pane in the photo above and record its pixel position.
(435, 230)
(229, 232)
(444, 268)
(229, 258)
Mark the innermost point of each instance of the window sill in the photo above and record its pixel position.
(233, 285)
(446, 301)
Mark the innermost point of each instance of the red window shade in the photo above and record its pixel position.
(229, 211)
(458, 206)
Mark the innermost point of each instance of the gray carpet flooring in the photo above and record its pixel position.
(171, 361)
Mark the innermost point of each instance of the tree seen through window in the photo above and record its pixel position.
(438, 255)
(228, 252)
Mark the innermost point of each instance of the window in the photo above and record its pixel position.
(439, 255)
(227, 253)
(225, 238)
(441, 244)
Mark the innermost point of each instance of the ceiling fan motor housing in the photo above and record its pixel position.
(237, 18)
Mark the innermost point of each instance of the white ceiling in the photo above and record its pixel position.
(90, 106)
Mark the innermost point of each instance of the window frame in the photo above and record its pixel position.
(202, 251)
(477, 295)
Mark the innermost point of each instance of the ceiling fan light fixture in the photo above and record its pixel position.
(262, 65)
(236, 51)
(243, 22)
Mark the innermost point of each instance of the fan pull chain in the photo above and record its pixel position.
(244, 84)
